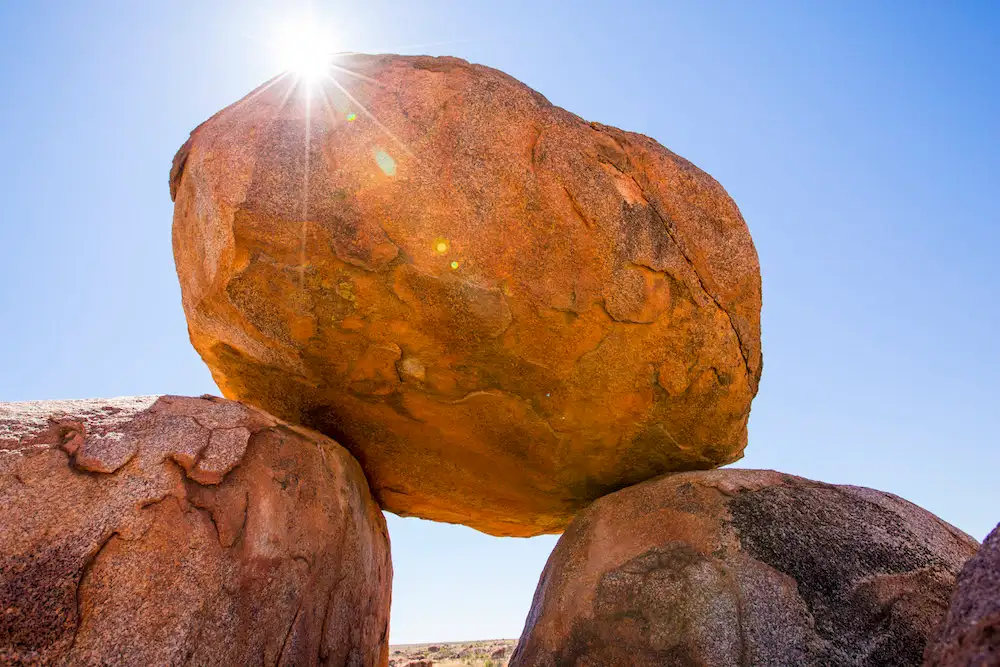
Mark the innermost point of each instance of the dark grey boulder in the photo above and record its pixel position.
(744, 567)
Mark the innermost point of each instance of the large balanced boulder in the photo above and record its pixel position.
(502, 310)
(168, 531)
(970, 634)
(743, 567)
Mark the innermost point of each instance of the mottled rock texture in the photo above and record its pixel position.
(168, 531)
(502, 310)
(970, 635)
(743, 567)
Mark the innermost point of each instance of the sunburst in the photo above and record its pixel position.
(306, 49)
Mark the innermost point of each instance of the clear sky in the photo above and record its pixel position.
(861, 140)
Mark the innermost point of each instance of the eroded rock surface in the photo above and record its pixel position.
(970, 634)
(502, 310)
(170, 530)
(744, 567)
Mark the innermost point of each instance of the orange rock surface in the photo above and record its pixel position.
(502, 310)
(167, 531)
(744, 567)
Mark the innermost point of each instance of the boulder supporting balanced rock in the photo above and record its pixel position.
(743, 567)
(502, 310)
(970, 634)
(170, 530)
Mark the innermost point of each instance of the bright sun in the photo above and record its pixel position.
(305, 49)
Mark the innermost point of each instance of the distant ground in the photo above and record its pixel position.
(483, 653)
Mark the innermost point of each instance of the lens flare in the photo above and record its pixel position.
(385, 162)
(305, 49)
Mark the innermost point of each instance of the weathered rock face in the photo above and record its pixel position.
(970, 634)
(167, 531)
(743, 567)
(502, 310)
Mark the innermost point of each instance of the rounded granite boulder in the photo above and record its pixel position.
(196, 531)
(970, 634)
(502, 310)
(744, 567)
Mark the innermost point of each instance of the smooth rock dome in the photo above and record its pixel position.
(502, 310)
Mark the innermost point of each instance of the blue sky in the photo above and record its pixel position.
(861, 141)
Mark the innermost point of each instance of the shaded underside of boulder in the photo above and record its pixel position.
(743, 567)
(502, 310)
(970, 634)
(174, 530)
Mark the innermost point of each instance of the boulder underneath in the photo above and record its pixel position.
(502, 310)
(970, 634)
(170, 530)
(743, 567)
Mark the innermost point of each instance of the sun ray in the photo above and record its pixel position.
(372, 117)
(264, 88)
(357, 75)
(329, 112)
(305, 188)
